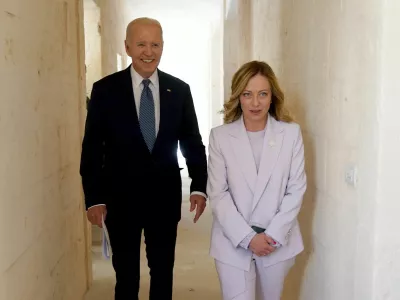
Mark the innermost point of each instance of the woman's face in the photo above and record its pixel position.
(256, 99)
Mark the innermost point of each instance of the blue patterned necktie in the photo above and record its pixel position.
(146, 115)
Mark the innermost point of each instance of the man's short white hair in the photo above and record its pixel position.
(143, 20)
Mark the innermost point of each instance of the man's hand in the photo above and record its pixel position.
(260, 245)
(197, 202)
(94, 214)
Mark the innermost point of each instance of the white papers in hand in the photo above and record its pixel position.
(106, 245)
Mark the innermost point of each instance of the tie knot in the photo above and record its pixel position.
(146, 82)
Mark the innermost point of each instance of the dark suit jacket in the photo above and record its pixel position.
(117, 168)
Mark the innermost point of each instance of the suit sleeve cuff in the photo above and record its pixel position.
(199, 193)
(277, 245)
(277, 236)
(246, 241)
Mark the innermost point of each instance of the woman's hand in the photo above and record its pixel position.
(260, 245)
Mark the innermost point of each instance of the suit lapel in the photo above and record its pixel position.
(129, 96)
(165, 98)
(243, 152)
(270, 153)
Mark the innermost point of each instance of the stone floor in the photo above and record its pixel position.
(195, 276)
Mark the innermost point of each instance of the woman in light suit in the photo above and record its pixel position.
(256, 186)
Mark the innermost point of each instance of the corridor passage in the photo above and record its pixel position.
(338, 64)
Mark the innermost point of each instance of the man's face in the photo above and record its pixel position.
(145, 46)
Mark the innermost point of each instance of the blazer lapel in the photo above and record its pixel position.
(243, 152)
(271, 148)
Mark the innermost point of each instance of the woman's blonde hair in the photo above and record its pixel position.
(232, 109)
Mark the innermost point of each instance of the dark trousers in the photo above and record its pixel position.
(160, 244)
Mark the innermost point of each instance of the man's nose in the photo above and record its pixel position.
(148, 51)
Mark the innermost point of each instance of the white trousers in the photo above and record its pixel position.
(260, 283)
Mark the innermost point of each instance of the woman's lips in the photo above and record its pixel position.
(255, 111)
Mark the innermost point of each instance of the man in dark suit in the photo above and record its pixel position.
(129, 166)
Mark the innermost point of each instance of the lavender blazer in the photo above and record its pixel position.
(240, 198)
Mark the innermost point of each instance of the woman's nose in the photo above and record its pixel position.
(255, 101)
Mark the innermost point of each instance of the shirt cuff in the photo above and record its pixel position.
(94, 206)
(199, 193)
(246, 241)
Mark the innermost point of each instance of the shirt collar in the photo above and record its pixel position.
(137, 79)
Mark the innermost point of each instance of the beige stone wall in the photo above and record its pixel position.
(336, 62)
(237, 46)
(267, 32)
(216, 72)
(387, 240)
(92, 43)
(115, 16)
(331, 59)
(42, 243)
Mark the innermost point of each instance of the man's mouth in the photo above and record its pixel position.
(147, 61)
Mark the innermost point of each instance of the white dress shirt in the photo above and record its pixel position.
(137, 84)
